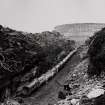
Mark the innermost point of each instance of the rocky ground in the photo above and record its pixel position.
(48, 93)
(85, 90)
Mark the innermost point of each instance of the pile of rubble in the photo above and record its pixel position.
(94, 97)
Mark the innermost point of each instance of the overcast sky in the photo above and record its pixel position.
(42, 15)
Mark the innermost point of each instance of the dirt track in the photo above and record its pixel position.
(48, 93)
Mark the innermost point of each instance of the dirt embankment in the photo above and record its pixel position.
(49, 92)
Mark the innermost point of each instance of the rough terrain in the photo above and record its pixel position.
(49, 92)
(83, 89)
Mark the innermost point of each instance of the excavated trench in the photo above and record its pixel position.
(48, 93)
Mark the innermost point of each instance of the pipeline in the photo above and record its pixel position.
(37, 82)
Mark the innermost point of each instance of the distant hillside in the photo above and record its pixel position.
(79, 31)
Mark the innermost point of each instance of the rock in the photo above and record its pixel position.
(74, 101)
(78, 103)
(11, 102)
(61, 95)
(95, 93)
(67, 87)
(76, 86)
(85, 101)
(100, 100)
(20, 100)
(50, 104)
(64, 102)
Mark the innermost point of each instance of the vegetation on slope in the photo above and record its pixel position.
(96, 53)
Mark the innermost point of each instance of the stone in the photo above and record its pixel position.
(64, 102)
(11, 102)
(61, 95)
(95, 93)
(74, 101)
(85, 100)
(67, 87)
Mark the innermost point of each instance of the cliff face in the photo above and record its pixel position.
(79, 27)
(79, 31)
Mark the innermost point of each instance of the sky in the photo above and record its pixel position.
(43, 15)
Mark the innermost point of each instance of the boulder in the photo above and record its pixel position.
(61, 95)
(11, 102)
(95, 93)
(74, 101)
